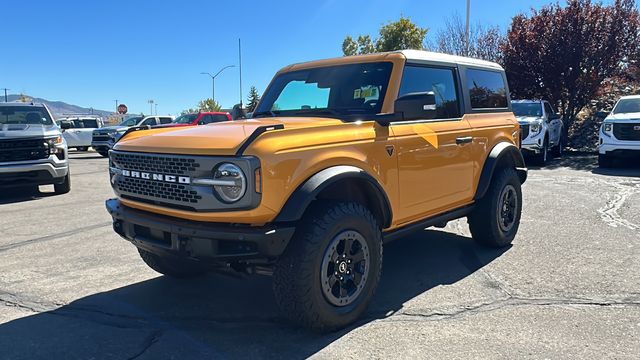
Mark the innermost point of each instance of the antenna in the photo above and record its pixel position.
(240, 64)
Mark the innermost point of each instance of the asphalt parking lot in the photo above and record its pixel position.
(569, 287)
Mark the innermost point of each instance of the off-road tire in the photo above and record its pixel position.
(558, 149)
(64, 187)
(176, 268)
(103, 153)
(297, 280)
(605, 161)
(484, 221)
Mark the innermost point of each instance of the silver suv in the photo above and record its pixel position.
(104, 138)
(32, 149)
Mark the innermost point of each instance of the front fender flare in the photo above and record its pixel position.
(306, 193)
(503, 151)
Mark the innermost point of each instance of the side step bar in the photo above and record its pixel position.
(423, 224)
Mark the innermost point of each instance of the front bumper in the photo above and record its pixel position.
(216, 242)
(533, 144)
(610, 148)
(102, 145)
(43, 172)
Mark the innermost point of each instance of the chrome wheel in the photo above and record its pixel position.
(345, 268)
(507, 208)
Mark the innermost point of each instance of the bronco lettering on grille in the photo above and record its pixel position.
(157, 177)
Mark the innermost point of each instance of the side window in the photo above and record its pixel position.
(548, 110)
(165, 120)
(220, 118)
(487, 89)
(205, 120)
(440, 81)
(150, 121)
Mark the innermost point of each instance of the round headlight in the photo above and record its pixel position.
(236, 182)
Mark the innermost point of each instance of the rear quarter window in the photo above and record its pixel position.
(487, 89)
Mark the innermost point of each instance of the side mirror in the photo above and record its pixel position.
(602, 114)
(416, 106)
(65, 125)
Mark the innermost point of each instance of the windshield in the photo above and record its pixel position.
(24, 115)
(81, 123)
(131, 121)
(527, 109)
(343, 90)
(186, 119)
(625, 106)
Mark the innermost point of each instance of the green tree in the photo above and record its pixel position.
(206, 105)
(252, 99)
(397, 35)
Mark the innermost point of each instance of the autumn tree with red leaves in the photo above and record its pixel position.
(563, 54)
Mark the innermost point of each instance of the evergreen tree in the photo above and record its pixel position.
(253, 99)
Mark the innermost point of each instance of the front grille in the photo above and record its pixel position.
(524, 128)
(156, 164)
(101, 137)
(23, 150)
(158, 190)
(627, 131)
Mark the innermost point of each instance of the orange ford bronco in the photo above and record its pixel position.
(341, 155)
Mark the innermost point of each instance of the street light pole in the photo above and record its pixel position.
(6, 98)
(156, 106)
(468, 28)
(213, 80)
(151, 106)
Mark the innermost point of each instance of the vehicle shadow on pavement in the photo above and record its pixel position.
(589, 162)
(21, 194)
(223, 316)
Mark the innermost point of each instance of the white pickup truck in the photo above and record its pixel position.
(541, 129)
(78, 131)
(620, 132)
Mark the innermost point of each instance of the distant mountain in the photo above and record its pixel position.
(61, 109)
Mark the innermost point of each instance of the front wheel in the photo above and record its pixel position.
(496, 219)
(541, 159)
(329, 272)
(605, 161)
(104, 153)
(173, 267)
(558, 149)
(64, 187)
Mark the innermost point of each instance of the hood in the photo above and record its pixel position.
(626, 117)
(223, 138)
(13, 131)
(528, 119)
(107, 129)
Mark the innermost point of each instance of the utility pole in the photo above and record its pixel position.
(116, 100)
(467, 32)
(6, 98)
(156, 105)
(150, 102)
(213, 80)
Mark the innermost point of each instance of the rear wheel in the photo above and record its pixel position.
(605, 161)
(331, 269)
(496, 219)
(173, 267)
(64, 187)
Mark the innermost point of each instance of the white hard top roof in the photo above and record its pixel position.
(421, 55)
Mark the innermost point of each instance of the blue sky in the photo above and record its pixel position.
(90, 53)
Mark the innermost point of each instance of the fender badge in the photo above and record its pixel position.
(390, 150)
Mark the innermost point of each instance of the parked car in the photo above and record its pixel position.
(32, 149)
(620, 132)
(103, 139)
(79, 133)
(202, 118)
(542, 129)
(340, 155)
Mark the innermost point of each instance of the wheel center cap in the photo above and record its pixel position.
(342, 267)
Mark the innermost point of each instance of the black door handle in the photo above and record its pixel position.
(464, 140)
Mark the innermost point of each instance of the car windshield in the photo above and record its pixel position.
(625, 106)
(186, 119)
(336, 91)
(527, 109)
(82, 123)
(33, 115)
(131, 121)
